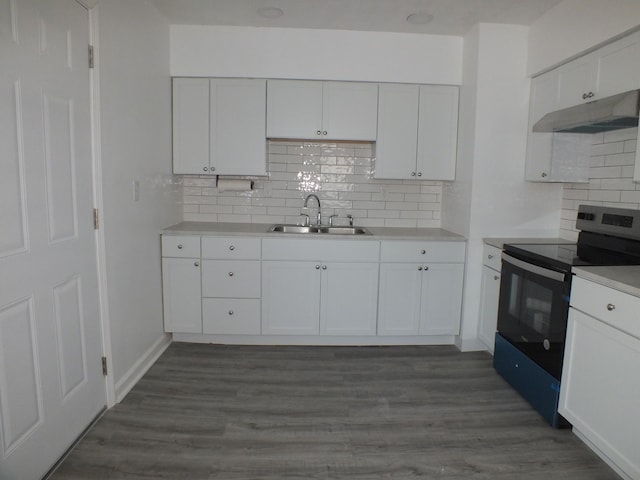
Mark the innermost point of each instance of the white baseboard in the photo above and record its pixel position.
(144, 363)
(470, 344)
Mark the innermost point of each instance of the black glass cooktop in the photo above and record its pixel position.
(558, 256)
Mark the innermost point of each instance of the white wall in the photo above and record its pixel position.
(490, 193)
(216, 51)
(573, 26)
(136, 145)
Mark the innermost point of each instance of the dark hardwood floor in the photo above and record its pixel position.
(236, 412)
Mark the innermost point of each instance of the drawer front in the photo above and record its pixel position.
(401, 251)
(492, 257)
(231, 278)
(618, 309)
(181, 246)
(328, 250)
(230, 316)
(231, 248)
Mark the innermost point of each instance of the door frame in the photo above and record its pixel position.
(92, 7)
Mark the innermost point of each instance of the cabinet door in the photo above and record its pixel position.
(349, 110)
(238, 127)
(181, 295)
(349, 298)
(599, 389)
(543, 100)
(441, 299)
(490, 290)
(191, 126)
(618, 66)
(294, 109)
(437, 132)
(397, 144)
(399, 299)
(577, 81)
(290, 298)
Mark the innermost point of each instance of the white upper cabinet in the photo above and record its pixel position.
(324, 110)
(607, 71)
(417, 132)
(219, 126)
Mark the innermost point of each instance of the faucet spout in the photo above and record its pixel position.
(315, 197)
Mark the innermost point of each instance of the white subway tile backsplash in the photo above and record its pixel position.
(610, 179)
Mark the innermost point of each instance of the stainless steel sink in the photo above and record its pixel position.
(282, 228)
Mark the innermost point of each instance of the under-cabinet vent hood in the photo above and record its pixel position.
(610, 113)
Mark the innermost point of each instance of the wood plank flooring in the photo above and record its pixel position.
(362, 413)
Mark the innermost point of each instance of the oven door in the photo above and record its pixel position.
(533, 310)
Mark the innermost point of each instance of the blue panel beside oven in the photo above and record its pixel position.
(534, 383)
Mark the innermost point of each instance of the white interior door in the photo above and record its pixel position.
(51, 383)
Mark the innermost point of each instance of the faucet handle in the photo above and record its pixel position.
(350, 217)
(306, 219)
(331, 219)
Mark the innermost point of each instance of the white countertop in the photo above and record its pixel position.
(625, 278)
(262, 230)
(499, 242)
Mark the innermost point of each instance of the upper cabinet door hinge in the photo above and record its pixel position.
(90, 56)
(104, 366)
(96, 219)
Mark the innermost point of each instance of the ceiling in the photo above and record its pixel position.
(450, 17)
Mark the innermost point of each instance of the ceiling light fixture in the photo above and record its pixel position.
(419, 18)
(270, 12)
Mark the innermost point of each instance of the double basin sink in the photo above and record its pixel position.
(319, 230)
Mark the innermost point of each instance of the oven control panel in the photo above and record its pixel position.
(615, 221)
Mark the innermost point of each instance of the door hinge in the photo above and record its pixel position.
(104, 366)
(96, 219)
(90, 56)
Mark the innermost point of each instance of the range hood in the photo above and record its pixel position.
(610, 113)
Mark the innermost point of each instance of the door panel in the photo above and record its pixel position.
(51, 382)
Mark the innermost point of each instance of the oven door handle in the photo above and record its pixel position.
(529, 267)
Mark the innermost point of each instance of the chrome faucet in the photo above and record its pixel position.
(319, 217)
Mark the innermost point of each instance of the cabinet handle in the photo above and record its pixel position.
(318, 132)
(489, 256)
(324, 132)
(205, 169)
(317, 267)
(231, 274)
(179, 246)
(420, 268)
(419, 174)
(611, 307)
(585, 96)
(232, 247)
(196, 264)
(425, 268)
(230, 312)
(413, 174)
(423, 252)
(324, 267)
(213, 169)
(543, 174)
(496, 277)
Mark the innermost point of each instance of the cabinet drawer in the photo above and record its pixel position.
(181, 246)
(231, 316)
(618, 309)
(401, 251)
(231, 278)
(327, 250)
(229, 248)
(492, 257)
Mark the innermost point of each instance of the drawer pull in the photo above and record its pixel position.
(496, 277)
(196, 264)
(231, 274)
(423, 252)
(489, 256)
(317, 267)
(180, 246)
(420, 268)
(425, 268)
(230, 312)
(232, 248)
(611, 307)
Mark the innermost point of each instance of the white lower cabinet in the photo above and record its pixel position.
(181, 295)
(489, 293)
(600, 382)
(423, 297)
